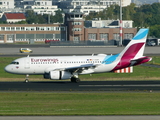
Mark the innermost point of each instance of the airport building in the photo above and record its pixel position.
(74, 28)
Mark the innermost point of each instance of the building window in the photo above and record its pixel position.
(116, 36)
(7, 28)
(17, 28)
(92, 36)
(12, 28)
(22, 28)
(76, 23)
(52, 28)
(41, 28)
(62, 28)
(37, 28)
(104, 36)
(48, 29)
(128, 36)
(37, 3)
(76, 29)
(57, 29)
(32, 28)
(3, 28)
(27, 28)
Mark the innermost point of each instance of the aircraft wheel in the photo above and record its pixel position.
(72, 79)
(76, 80)
(26, 80)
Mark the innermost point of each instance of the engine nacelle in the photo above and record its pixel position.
(58, 75)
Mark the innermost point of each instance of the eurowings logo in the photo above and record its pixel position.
(44, 60)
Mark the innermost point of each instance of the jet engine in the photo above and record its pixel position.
(58, 75)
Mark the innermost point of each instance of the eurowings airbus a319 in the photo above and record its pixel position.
(69, 67)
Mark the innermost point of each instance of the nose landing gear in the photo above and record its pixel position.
(27, 79)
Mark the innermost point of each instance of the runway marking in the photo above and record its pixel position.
(118, 85)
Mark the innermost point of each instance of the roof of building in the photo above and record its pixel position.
(14, 15)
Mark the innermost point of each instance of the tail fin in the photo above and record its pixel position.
(133, 53)
(135, 48)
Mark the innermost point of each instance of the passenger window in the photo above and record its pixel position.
(15, 63)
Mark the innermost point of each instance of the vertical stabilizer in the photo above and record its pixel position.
(133, 53)
(135, 48)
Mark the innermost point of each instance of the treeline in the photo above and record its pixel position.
(43, 19)
(31, 18)
(147, 15)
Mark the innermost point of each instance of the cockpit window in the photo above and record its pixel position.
(15, 63)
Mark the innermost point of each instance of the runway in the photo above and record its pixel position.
(87, 86)
(43, 50)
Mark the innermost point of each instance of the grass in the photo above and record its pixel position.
(79, 104)
(155, 60)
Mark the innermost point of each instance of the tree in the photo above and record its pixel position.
(42, 19)
(129, 11)
(31, 17)
(57, 17)
(154, 31)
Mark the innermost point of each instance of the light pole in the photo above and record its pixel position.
(120, 25)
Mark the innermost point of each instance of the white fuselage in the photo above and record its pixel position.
(40, 65)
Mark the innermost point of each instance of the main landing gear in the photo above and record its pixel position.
(27, 79)
(75, 78)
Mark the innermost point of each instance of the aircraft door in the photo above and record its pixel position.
(26, 63)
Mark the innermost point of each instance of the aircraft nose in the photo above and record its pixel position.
(7, 68)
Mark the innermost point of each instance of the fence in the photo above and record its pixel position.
(83, 43)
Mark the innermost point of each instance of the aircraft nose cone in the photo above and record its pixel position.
(7, 68)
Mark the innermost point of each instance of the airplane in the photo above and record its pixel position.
(69, 67)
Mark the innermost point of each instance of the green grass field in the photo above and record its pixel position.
(78, 103)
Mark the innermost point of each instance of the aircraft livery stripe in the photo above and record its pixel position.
(141, 34)
(110, 59)
(127, 56)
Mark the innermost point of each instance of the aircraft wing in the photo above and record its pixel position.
(77, 69)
